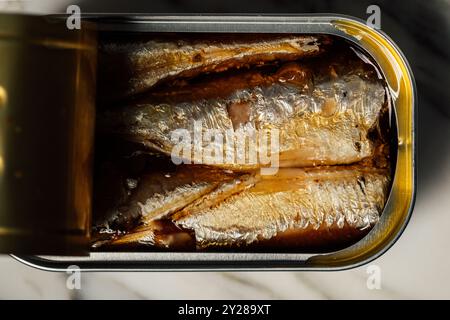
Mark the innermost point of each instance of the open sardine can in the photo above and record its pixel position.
(203, 142)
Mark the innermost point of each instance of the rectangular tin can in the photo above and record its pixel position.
(397, 211)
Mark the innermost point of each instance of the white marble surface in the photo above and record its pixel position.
(417, 266)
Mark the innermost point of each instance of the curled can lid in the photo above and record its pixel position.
(47, 109)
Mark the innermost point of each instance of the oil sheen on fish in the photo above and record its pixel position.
(296, 201)
(318, 119)
(293, 199)
(158, 193)
(131, 68)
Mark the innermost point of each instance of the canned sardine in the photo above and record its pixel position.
(236, 144)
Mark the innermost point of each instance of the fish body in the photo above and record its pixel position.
(156, 194)
(132, 68)
(306, 123)
(252, 209)
(293, 199)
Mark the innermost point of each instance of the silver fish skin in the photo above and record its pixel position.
(298, 204)
(295, 199)
(323, 123)
(131, 68)
(156, 195)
